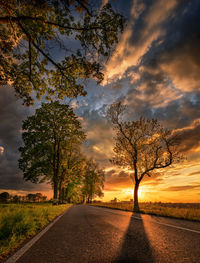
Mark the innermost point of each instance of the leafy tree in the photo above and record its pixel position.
(47, 136)
(49, 46)
(143, 146)
(38, 197)
(16, 199)
(71, 169)
(4, 197)
(31, 197)
(73, 192)
(93, 181)
(44, 198)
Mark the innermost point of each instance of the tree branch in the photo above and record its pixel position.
(30, 63)
(5, 6)
(159, 166)
(39, 49)
(84, 7)
(134, 156)
(19, 18)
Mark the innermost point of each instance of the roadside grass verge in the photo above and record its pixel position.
(181, 211)
(21, 221)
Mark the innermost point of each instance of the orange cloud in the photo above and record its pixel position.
(189, 137)
(129, 52)
(1, 149)
(183, 68)
(181, 188)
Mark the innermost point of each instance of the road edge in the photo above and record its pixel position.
(19, 253)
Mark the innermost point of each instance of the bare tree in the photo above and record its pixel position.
(142, 146)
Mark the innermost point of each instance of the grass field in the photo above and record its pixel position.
(183, 211)
(20, 221)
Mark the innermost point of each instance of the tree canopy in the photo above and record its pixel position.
(93, 181)
(143, 146)
(4, 197)
(71, 171)
(49, 138)
(50, 47)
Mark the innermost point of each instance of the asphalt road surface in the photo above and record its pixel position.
(93, 234)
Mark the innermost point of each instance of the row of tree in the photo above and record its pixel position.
(5, 197)
(51, 153)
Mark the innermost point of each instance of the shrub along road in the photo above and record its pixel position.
(93, 234)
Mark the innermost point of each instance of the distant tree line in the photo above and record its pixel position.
(5, 197)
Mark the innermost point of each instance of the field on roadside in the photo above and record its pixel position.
(20, 221)
(176, 210)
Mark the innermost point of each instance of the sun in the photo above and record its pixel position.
(129, 192)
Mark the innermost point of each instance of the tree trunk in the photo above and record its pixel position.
(55, 190)
(136, 204)
(60, 192)
(84, 199)
(63, 194)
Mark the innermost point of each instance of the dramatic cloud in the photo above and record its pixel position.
(195, 173)
(144, 27)
(99, 136)
(181, 188)
(155, 70)
(12, 113)
(117, 180)
(1, 150)
(189, 136)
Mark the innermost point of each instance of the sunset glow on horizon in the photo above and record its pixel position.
(155, 71)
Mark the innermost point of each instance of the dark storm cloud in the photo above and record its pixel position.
(181, 56)
(182, 115)
(143, 29)
(12, 113)
(190, 138)
(168, 75)
(172, 63)
(179, 113)
(165, 78)
(99, 136)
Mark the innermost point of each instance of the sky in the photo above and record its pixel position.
(155, 71)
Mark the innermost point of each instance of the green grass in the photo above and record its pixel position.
(183, 211)
(21, 221)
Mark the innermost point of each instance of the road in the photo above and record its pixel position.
(93, 234)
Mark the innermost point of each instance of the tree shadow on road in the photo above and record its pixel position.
(136, 246)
